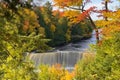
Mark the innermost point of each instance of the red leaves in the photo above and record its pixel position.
(85, 14)
(79, 17)
(57, 12)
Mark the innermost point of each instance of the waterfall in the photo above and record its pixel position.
(65, 58)
(67, 55)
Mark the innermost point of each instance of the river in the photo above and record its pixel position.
(67, 55)
(79, 46)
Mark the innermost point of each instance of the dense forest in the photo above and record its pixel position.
(60, 29)
(26, 27)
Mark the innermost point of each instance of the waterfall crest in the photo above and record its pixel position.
(65, 58)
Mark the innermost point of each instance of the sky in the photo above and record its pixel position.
(112, 6)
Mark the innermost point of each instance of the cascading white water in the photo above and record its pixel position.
(67, 55)
(65, 58)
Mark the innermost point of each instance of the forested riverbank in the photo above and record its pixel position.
(59, 29)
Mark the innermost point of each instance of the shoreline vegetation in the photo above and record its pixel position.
(76, 40)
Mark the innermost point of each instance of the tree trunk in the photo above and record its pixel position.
(93, 25)
(106, 9)
(96, 29)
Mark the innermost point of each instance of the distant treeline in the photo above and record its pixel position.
(59, 29)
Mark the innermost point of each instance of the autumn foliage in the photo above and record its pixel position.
(111, 25)
(56, 72)
(85, 13)
(64, 3)
(74, 14)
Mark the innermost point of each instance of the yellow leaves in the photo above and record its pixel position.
(47, 20)
(102, 23)
(107, 31)
(111, 25)
(63, 74)
(67, 35)
(55, 72)
(64, 3)
(72, 15)
(108, 27)
(68, 76)
(52, 28)
(42, 30)
(59, 3)
(28, 20)
(29, 12)
(114, 16)
(76, 2)
(32, 14)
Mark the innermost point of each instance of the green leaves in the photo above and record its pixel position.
(106, 64)
(14, 42)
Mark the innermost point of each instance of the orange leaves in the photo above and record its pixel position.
(26, 25)
(68, 76)
(74, 16)
(55, 72)
(64, 3)
(61, 3)
(85, 14)
(59, 13)
(55, 12)
(71, 15)
(107, 31)
(111, 25)
(28, 20)
(30, 13)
